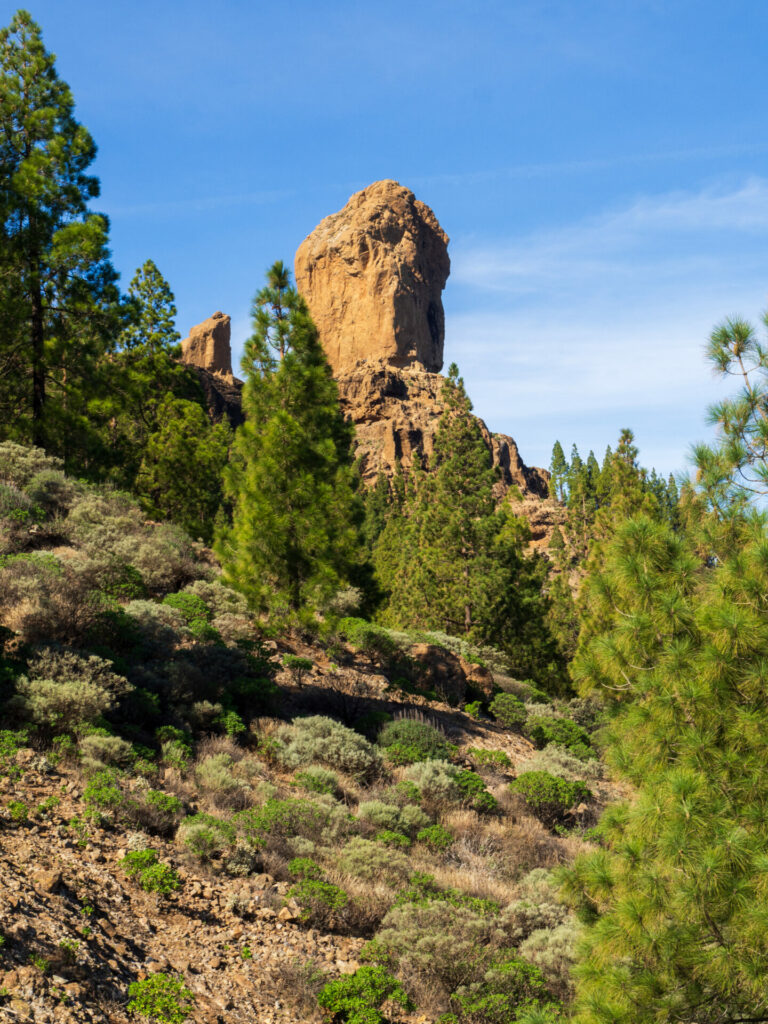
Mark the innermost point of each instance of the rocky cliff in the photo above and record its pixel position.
(373, 275)
(207, 351)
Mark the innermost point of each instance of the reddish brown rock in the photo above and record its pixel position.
(373, 276)
(441, 671)
(208, 345)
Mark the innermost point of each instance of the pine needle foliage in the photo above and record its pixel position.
(295, 536)
(678, 898)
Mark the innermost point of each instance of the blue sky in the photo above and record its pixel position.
(601, 168)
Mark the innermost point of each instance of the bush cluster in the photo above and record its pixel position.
(407, 741)
(548, 796)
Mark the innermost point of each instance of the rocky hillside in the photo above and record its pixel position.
(193, 811)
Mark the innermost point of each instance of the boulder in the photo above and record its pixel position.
(478, 677)
(373, 275)
(208, 345)
(439, 670)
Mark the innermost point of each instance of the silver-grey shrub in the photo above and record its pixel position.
(320, 740)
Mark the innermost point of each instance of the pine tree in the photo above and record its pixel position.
(135, 383)
(181, 470)
(59, 304)
(558, 468)
(452, 561)
(153, 322)
(295, 537)
(677, 899)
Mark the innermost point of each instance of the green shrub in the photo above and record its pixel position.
(163, 998)
(102, 792)
(19, 464)
(152, 876)
(536, 907)
(205, 836)
(390, 838)
(440, 941)
(474, 709)
(191, 606)
(214, 776)
(357, 998)
(558, 761)
(474, 793)
(406, 820)
(305, 867)
(542, 731)
(435, 781)
(320, 740)
(422, 889)
(10, 744)
(508, 985)
(63, 691)
(98, 750)
(367, 637)
(153, 810)
(435, 837)
(18, 811)
(485, 758)
(548, 796)
(320, 901)
(508, 710)
(407, 741)
(406, 792)
(297, 666)
(320, 820)
(365, 859)
(318, 780)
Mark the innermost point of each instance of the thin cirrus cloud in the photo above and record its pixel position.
(575, 332)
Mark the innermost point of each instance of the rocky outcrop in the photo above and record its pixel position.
(223, 395)
(396, 414)
(208, 353)
(373, 276)
(208, 345)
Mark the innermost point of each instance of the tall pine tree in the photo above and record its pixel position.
(295, 537)
(59, 304)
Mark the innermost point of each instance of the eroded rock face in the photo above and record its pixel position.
(373, 276)
(396, 414)
(208, 345)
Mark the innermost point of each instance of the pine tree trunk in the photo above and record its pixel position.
(38, 362)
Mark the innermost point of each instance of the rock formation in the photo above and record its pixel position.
(373, 276)
(208, 345)
(208, 353)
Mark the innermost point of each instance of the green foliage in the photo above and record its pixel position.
(357, 998)
(318, 780)
(510, 985)
(435, 837)
(102, 792)
(185, 437)
(407, 741)
(548, 796)
(371, 862)
(390, 838)
(508, 710)
(305, 867)
(487, 758)
(18, 811)
(320, 740)
(152, 876)
(562, 731)
(163, 998)
(674, 896)
(206, 836)
(295, 538)
(450, 560)
(63, 691)
(11, 742)
(368, 637)
(60, 304)
(473, 791)
(318, 899)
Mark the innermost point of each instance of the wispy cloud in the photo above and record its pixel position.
(565, 332)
